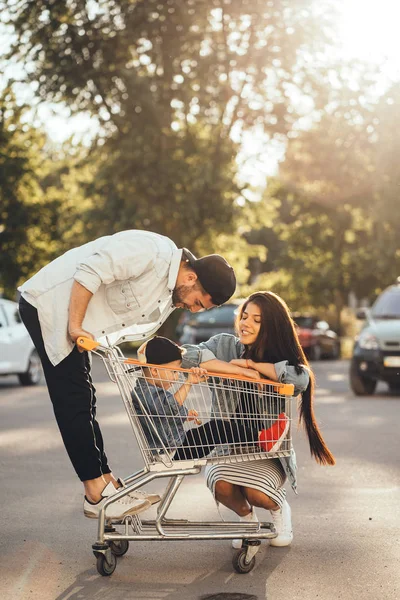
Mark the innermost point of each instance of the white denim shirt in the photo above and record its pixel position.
(131, 275)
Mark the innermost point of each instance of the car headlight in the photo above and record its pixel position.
(367, 341)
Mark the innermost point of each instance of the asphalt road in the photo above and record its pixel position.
(346, 518)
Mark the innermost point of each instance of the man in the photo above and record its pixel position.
(128, 282)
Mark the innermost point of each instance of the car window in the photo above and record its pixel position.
(387, 305)
(223, 315)
(304, 322)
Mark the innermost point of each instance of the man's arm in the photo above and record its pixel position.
(80, 298)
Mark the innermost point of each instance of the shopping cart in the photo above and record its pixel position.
(241, 407)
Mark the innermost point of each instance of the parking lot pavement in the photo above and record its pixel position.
(346, 519)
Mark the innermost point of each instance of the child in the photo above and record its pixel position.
(167, 411)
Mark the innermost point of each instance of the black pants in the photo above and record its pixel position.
(201, 440)
(74, 402)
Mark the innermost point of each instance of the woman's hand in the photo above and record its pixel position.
(197, 374)
(250, 373)
(245, 363)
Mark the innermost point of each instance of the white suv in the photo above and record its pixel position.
(18, 355)
(376, 354)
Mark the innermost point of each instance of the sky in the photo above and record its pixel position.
(368, 30)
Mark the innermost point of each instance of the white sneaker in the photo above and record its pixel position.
(282, 519)
(141, 494)
(251, 517)
(117, 510)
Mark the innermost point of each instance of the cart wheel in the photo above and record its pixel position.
(239, 562)
(103, 567)
(119, 548)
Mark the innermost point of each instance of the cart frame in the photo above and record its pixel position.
(112, 542)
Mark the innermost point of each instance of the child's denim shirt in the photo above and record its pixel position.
(166, 414)
(227, 347)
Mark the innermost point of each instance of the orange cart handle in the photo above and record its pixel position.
(286, 389)
(87, 343)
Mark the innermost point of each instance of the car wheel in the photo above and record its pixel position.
(361, 386)
(33, 374)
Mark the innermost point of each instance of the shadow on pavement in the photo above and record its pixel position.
(221, 584)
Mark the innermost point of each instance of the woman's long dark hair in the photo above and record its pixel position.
(276, 341)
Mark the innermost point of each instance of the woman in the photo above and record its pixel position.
(268, 344)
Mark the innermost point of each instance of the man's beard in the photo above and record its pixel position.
(179, 294)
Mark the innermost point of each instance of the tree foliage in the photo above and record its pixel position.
(337, 209)
(173, 84)
(38, 211)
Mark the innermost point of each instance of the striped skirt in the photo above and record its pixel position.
(266, 476)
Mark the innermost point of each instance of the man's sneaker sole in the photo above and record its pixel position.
(152, 498)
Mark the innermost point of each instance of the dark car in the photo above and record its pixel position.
(376, 353)
(194, 328)
(317, 339)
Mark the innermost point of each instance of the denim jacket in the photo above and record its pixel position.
(164, 412)
(227, 347)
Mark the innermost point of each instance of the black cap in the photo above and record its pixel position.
(159, 351)
(215, 275)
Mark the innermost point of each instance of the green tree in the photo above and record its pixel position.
(338, 211)
(40, 198)
(172, 84)
(20, 192)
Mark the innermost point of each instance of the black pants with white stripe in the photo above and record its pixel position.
(74, 402)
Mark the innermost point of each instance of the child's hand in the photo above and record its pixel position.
(197, 374)
(192, 414)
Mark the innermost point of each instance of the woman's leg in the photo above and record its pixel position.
(232, 497)
(259, 499)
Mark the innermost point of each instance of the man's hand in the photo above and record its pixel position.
(80, 298)
(74, 334)
(197, 374)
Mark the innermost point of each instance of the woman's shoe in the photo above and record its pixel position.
(251, 517)
(282, 519)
